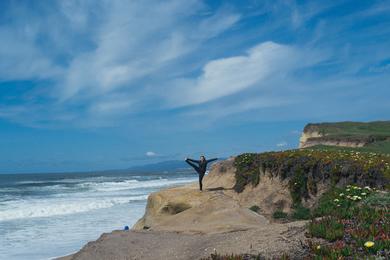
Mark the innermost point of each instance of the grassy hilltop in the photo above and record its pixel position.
(376, 135)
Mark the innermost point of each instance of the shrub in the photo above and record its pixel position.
(255, 208)
(279, 214)
(300, 212)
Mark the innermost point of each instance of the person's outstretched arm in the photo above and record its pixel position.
(211, 160)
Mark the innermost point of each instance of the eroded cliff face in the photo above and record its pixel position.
(303, 141)
(218, 208)
(311, 137)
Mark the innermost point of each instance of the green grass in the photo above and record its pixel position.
(378, 128)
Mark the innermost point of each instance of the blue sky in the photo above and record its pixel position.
(88, 85)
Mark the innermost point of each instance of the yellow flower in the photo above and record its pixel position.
(369, 244)
(318, 247)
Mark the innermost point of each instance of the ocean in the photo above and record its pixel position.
(48, 215)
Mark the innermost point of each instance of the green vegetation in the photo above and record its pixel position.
(305, 168)
(376, 135)
(255, 208)
(378, 128)
(279, 214)
(328, 228)
(355, 223)
(300, 213)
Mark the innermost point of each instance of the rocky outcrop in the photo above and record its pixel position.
(186, 209)
(218, 208)
(303, 140)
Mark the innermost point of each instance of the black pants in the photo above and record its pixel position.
(201, 175)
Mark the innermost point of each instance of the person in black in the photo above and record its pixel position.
(200, 167)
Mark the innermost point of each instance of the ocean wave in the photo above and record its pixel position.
(61, 199)
(132, 184)
(54, 207)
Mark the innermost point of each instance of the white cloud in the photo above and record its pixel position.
(105, 49)
(281, 144)
(20, 59)
(130, 46)
(113, 62)
(222, 77)
(151, 154)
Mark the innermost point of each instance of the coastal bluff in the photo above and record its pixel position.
(185, 223)
(347, 134)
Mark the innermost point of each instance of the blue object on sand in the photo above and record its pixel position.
(126, 227)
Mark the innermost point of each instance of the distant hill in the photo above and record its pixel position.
(370, 136)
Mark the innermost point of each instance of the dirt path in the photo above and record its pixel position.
(270, 241)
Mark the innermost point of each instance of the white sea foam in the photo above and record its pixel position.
(54, 207)
(133, 184)
(81, 197)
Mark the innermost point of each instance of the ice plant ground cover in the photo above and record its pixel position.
(352, 218)
(354, 223)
